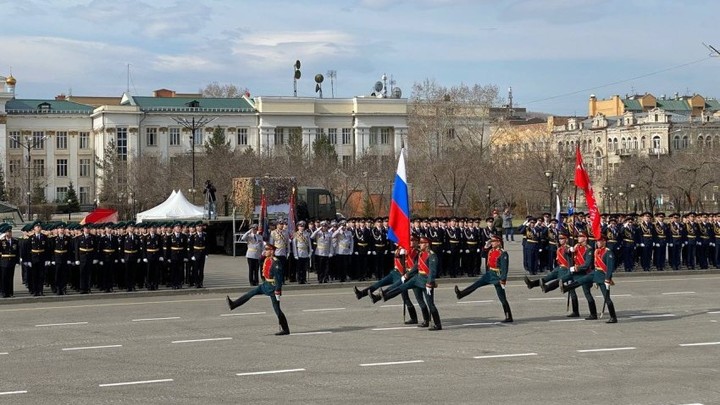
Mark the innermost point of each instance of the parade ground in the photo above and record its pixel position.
(188, 348)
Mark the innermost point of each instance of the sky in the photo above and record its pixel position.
(553, 53)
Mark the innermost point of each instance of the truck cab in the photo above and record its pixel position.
(314, 202)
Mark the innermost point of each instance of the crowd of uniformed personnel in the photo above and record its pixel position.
(646, 241)
(103, 257)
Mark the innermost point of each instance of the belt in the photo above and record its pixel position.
(454, 241)
(198, 247)
(177, 248)
(60, 251)
(437, 243)
(38, 251)
(705, 237)
(553, 243)
(270, 281)
(152, 250)
(494, 269)
(647, 236)
(691, 237)
(472, 243)
(362, 244)
(379, 245)
(130, 251)
(87, 249)
(531, 241)
(628, 240)
(109, 250)
(8, 255)
(591, 239)
(677, 237)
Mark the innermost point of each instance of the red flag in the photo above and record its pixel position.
(291, 215)
(582, 179)
(265, 231)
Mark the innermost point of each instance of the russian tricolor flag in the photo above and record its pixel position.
(399, 231)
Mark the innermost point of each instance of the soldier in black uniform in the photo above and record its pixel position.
(107, 258)
(379, 242)
(177, 248)
(85, 253)
(38, 258)
(436, 236)
(661, 235)
(62, 251)
(362, 239)
(9, 257)
(453, 235)
(130, 256)
(199, 254)
(152, 253)
(471, 240)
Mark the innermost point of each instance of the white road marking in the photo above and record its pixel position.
(547, 299)
(651, 316)
(322, 332)
(609, 349)
(245, 314)
(391, 305)
(270, 372)
(201, 340)
(497, 356)
(155, 319)
(323, 309)
(567, 320)
(13, 392)
(67, 349)
(396, 328)
(700, 344)
(678, 293)
(3, 353)
(392, 363)
(61, 324)
(714, 312)
(136, 382)
(474, 302)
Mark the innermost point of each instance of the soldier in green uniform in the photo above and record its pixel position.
(561, 272)
(272, 280)
(604, 261)
(496, 274)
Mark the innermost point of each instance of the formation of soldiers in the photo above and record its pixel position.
(646, 241)
(103, 257)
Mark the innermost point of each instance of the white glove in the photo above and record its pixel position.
(539, 250)
(642, 245)
(330, 255)
(122, 260)
(402, 252)
(185, 260)
(115, 260)
(169, 260)
(277, 297)
(428, 290)
(502, 284)
(69, 262)
(607, 284)
(670, 244)
(47, 263)
(53, 263)
(572, 269)
(162, 259)
(192, 258)
(145, 260)
(77, 262)
(448, 251)
(28, 264)
(478, 251)
(467, 250)
(206, 256)
(95, 262)
(385, 252)
(138, 260)
(572, 248)
(403, 278)
(102, 263)
(374, 253)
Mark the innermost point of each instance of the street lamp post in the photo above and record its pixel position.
(622, 194)
(132, 205)
(628, 190)
(489, 194)
(29, 144)
(549, 175)
(69, 210)
(193, 125)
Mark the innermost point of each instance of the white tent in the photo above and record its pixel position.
(175, 207)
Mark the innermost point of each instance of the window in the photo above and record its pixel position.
(174, 136)
(450, 133)
(332, 136)
(38, 167)
(242, 136)
(122, 143)
(84, 167)
(14, 137)
(676, 142)
(373, 136)
(279, 136)
(347, 136)
(385, 135)
(642, 143)
(623, 144)
(656, 142)
(198, 137)
(151, 136)
(14, 167)
(685, 142)
(84, 195)
(634, 143)
(346, 161)
(61, 140)
(62, 168)
(38, 140)
(84, 140)
(61, 194)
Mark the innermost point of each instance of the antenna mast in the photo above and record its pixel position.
(332, 74)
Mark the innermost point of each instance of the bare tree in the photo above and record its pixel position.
(217, 90)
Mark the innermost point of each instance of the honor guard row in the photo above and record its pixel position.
(105, 256)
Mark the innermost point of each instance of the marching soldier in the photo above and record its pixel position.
(496, 274)
(272, 275)
(561, 273)
(84, 257)
(604, 263)
(62, 250)
(423, 277)
(9, 258)
(583, 265)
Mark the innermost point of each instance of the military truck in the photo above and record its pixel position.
(244, 208)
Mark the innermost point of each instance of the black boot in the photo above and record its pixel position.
(436, 321)
(375, 298)
(413, 316)
(593, 312)
(382, 294)
(575, 308)
(361, 293)
(531, 283)
(570, 286)
(459, 294)
(553, 285)
(611, 311)
(426, 317)
(284, 328)
(508, 313)
(230, 303)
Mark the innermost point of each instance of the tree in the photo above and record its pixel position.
(72, 199)
(112, 173)
(217, 144)
(217, 90)
(295, 151)
(3, 195)
(38, 193)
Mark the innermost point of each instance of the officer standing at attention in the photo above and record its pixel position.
(496, 274)
(9, 257)
(254, 253)
(177, 248)
(152, 253)
(61, 253)
(302, 250)
(272, 275)
(84, 256)
(198, 254)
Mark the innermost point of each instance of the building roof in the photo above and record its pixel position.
(632, 105)
(712, 104)
(35, 106)
(674, 105)
(209, 104)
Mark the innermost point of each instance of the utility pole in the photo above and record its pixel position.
(193, 125)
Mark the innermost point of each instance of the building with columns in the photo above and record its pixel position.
(47, 144)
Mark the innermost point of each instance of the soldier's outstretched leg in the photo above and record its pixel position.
(547, 287)
(531, 283)
(361, 293)
(244, 298)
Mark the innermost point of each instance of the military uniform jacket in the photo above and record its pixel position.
(362, 240)
(254, 244)
(324, 242)
(437, 238)
(604, 262)
(107, 248)
(379, 240)
(9, 252)
(39, 247)
(85, 246)
(152, 247)
(471, 238)
(301, 245)
(629, 236)
(177, 246)
(497, 261)
(661, 233)
(272, 276)
(131, 246)
(583, 259)
(678, 233)
(62, 249)
(344, 241)
(279, 239)
(197, 247)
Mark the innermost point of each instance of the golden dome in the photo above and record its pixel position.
(10, 80)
